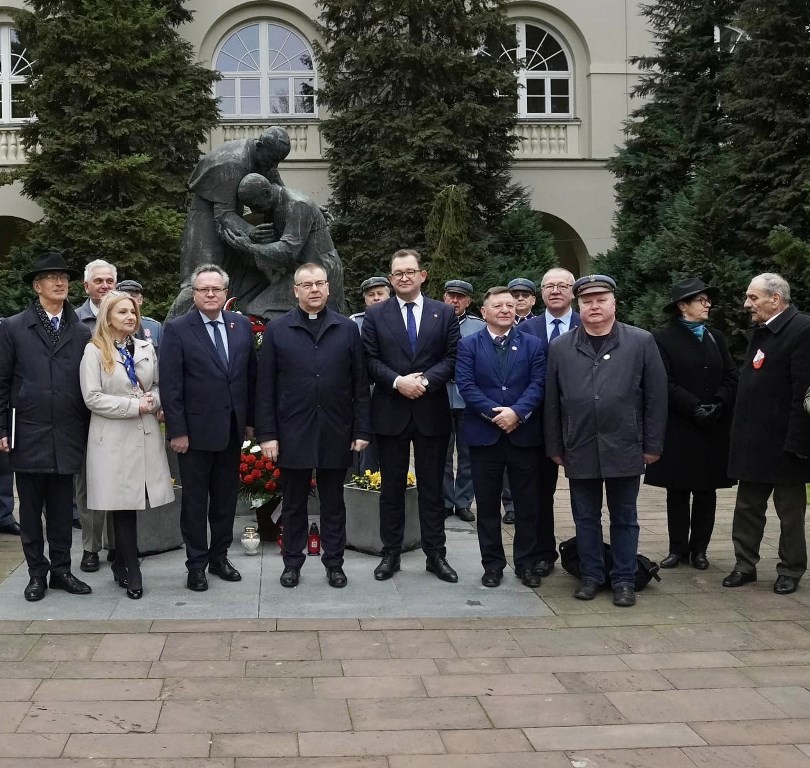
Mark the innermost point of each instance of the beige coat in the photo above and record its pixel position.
(126, 453)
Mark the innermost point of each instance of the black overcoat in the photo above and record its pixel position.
(312, 391)
(695, 457)
(770, 430)
(40, 381)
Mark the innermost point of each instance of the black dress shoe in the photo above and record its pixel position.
(465, 514)
(388, 566)
(624, 596)
(738, 578)
(492, 578)
(196, 580)
(69, 583)
(785, 585)
(673, 561)
(448, 512)
(289, 576)
(89, 563)
(509, 517)
(700, 561)
(530, 578)
(121, 582)
(224, 570)
(440, 567)
(587, 590)
(543, 568)
(77, 524)
(336, 577)
(111, 555)
(35, 589)
(12, 528)
(135, 594)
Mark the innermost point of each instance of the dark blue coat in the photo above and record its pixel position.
(536, 326)
(483, 387)
(197, 392)
(313, 391)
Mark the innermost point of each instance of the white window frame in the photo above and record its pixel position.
(8, 78)
(265, 73)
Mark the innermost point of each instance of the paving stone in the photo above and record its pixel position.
(28, 745)
(772, 658)
(55, 762)
(354, 645)
(742, 732)
(792, 700)
(98, 670)
(15, 647)
(300, 625)
(389, 667)
(316, 744)
(636, 639)
(489, 666)
(201, 626)
(561, 642)
(13, 627)
(64, 647)
(286, 646)
(601, 682)
(416, 714)
(659, 617)
(685, 706)
(312, 762)
(631, 758)
(255, 744)
(138, 745)
(272, 716)
(391, 623)
(781, 634)
(91, 717)
(716, 637)
(215, 688)
(193, 646)
(484, 643)
(747, 757)
(329, 668)
(89, 626)
(494, 760)
(144, 647)
(492, 685)
(698, 660)
(485, 741)
(775, 676)
(554, 709)
(419, 644)
(108, 689)
(29, 669)
(368, 687)
(566, 664)
(18, 689)
(12, 714)
(612, 737)
(161, 669)
(174, 762)
(804, 748)
(708, 678)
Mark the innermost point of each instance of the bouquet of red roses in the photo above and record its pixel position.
(259, 478)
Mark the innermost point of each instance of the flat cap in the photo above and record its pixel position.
(458, 286)
(522, 284)
(130, 286)
(594, 284)
(375, 282)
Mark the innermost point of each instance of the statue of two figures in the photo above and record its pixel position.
(260, 259)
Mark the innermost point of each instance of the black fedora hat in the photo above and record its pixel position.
(50, 261)
(685, 289)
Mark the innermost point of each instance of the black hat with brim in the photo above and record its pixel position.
(50, 261)
(686, 289)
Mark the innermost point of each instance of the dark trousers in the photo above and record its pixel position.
(210, 486)
(790, 502)
(520, 464)
(429, 454)
(457, 488)
(690, 532)
(126, 564)
(6, 491)
(296, 486)
(54, 493)
(547, 487)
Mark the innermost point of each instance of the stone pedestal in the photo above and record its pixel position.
(363, 520)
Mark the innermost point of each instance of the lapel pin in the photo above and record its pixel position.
(231, 326)
(435, 314)
(606, 357)
(514, 349)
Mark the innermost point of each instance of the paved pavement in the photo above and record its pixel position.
(416, 674)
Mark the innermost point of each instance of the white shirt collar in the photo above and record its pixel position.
(418, 301)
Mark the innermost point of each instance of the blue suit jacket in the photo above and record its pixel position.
(197, 392)
(536, 326)
(483, 387)
(388, 350)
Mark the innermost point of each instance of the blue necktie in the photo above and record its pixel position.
(220, 345)
(556, 331)
(55, 322)
(411, 325)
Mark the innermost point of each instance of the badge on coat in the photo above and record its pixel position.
(759, 359)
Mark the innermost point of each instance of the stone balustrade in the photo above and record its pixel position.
(11, 149)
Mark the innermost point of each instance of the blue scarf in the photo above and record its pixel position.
(129, 364)
(696, 326)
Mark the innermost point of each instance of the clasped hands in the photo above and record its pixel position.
(410, 385)
(505, 418)
(270, 448)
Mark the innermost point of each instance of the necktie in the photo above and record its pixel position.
(501, 340)
(556, 331)
(55, 323)
(220, 345)
(411, 325)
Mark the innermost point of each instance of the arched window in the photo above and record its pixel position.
(15, 69)
(546, 72)
(727, 38)
(267, 70)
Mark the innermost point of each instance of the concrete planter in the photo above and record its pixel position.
(363, 520)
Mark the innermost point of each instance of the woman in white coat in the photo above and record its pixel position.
(126, 457)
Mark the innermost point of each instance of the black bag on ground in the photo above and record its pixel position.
(569, 559)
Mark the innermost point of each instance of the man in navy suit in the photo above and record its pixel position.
(208, 381)
(558, 318)
(500, 373)
(410, 342)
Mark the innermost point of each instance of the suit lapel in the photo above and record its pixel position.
(512, 351)
(393, 316)
(488, 350)
(201, 332)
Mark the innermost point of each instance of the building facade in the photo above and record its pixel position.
(572, 106)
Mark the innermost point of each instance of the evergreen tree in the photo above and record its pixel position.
(416, 104)
(121, 110)
(447, 235)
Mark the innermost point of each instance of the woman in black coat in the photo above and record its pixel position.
(702, 387)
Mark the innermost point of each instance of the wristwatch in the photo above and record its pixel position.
(424, 382)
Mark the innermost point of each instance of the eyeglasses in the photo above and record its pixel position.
(402, 274)
(54, 277)
(551, 287)
(705, 301)
(215, 291)
(309, 286)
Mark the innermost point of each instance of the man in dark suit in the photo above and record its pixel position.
(500, 373)
(311, 413)
(559, 318)
(410, 342)
(208, 382)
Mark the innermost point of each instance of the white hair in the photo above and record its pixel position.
(98, 263)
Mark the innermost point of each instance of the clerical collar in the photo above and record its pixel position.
(312, 315)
